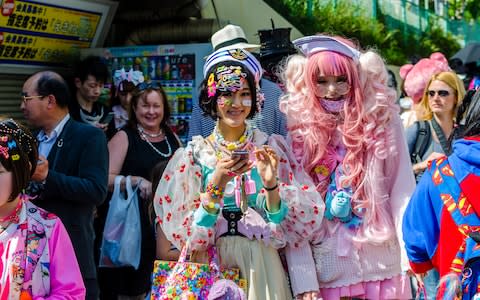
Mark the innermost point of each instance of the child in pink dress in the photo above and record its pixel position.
(345, 131)
(37, 260)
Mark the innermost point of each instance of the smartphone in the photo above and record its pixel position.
(108, 118)
(243, 154)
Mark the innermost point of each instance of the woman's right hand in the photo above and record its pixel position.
(145, 188)
(420, 167)
(227, 168)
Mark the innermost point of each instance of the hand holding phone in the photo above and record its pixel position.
(243, 154)
(108, 118)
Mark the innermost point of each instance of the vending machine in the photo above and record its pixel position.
(178, 68)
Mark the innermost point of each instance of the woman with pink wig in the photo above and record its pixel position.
(345, 130)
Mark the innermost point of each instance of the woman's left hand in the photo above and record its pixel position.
(267, 163)
(145, 188)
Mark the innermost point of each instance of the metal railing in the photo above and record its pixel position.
(408, 17)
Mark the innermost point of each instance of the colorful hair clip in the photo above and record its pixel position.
(11, 145)
(4, 152)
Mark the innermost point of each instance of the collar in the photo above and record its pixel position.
(42, 136)
(473, 138)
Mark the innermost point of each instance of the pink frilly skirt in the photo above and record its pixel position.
(397, 287)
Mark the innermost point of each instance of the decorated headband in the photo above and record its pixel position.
(231, 78)
(8, 146)
(135, 77)
(236, 55)
(310, 45)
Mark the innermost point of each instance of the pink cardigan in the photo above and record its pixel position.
(37, 258)
(305, 262)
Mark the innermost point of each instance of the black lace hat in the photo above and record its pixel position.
(275, 42)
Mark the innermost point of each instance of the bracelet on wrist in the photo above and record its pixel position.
(214, 191)
(209, 203)
(269, 189)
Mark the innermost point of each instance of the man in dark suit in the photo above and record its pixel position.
(72, 168)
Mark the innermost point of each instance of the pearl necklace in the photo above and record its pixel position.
(151, 135)
(145, 138)
(245, 139)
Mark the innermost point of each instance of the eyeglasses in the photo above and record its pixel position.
(441, 93)
(26, 98)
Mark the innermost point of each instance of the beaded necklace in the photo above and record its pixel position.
(151, 135)
(13, 217)
(145, 138)
(245, 139)
(242, 185)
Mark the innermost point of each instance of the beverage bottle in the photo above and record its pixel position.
(115, 65)
(174, 72)
(181, 103)
(152, 69)
(121, 64)
(129, 64)
(166, 68)
(144, 65)
(188, 98)
(159, 68)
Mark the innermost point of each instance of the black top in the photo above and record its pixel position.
(141, 158)
(139, 161)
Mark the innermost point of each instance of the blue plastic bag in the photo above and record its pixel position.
(121, 244)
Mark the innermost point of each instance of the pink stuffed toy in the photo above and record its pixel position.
(416, 76)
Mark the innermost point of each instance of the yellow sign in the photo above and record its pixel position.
(26, 48)
(50, 19)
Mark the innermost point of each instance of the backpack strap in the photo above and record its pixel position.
(441, 137)
(422, 141)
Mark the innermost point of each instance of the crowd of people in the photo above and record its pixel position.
(306, 182)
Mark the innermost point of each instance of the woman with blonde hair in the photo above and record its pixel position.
(442, 96)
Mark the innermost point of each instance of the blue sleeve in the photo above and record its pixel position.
(421, 225)
(195, 126)
(411, 136)
(203, 218)
(278, 216)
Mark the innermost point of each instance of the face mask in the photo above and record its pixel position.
(333, 106)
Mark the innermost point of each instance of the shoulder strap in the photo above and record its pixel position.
(441, 136)
(422, 141)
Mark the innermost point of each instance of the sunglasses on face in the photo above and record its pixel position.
(147, 85)
(441, 93)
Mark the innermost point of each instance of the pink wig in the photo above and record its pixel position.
(415, 77)
(365, 131)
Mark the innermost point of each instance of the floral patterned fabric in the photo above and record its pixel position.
(182, 280)
(32, 253)
(178, 196)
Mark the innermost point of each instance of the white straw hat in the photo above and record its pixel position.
(231, 37)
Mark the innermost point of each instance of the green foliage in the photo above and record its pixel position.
(436, 40)
(468, 10)
(346, 18)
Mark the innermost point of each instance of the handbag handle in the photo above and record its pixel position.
(129, 189)
(116, 186)
(212, 258)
